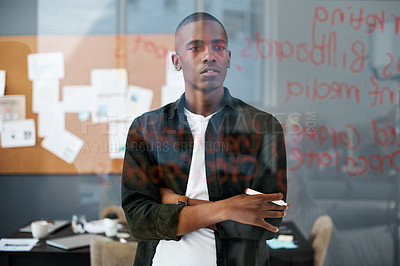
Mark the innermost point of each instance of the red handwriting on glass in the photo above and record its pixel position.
(385, 136)
(139, 43)
(322, 90)
(336, 90)
(385, 71)
(379, 93)
(324, 53)
(373, 21)
(324, 135)
(352, 165)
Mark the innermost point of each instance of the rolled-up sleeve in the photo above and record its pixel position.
(147, 218)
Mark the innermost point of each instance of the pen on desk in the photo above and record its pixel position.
(250, 191)
(17, 245)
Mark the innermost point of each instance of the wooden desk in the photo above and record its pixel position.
(43, 255)
(301, 256)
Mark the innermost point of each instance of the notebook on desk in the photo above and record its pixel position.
(51, 228)
(75, 241)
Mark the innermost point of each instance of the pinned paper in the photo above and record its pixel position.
(110, 108)
(46, 65)
(18, 133)
(2, 82)
(139, 100)
(170, 94)
(109, 81)
(76, 99)
(49, 122)
(45, 95)
(63, 144)
(12, 107)
(117, 133)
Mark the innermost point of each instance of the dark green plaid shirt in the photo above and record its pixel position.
(244, 147)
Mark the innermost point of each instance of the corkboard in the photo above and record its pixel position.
(142, 55)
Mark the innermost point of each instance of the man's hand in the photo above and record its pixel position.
(246, 209)
(254, 209)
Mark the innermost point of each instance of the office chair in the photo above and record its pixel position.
(112, 253)
(319, 238)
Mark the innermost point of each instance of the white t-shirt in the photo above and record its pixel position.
(196, 248)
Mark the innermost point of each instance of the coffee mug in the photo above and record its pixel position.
(39, 229)
(110, 226)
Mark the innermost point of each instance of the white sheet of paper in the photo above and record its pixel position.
(170, 94)
(49, 122)
(45, 95)
(173, 77)
(18, 133)
(76, 99)
(17, 244)
(46, 66)
(12, 107)
(63, 144)
(2, 82)
(139, 100)
(117, 133)
(109, 81)
(110, 108)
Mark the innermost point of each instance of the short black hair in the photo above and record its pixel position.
(197, 16)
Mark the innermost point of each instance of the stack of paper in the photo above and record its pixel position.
(17, 244)
(45, 70)
(108, 99)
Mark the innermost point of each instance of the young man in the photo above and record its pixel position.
(187, 165)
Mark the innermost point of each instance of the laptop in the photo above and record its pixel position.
(75, 241)
(51, 228)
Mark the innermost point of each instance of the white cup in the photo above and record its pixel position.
(110, 226)
(39, 229)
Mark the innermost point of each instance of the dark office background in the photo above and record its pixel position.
(361, 208)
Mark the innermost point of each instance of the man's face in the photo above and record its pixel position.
(202, 54)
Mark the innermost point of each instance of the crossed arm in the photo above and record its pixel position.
(240, 216)
(243, 208)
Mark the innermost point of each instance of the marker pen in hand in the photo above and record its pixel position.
(250, 191)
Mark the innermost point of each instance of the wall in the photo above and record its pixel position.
(26, 198)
